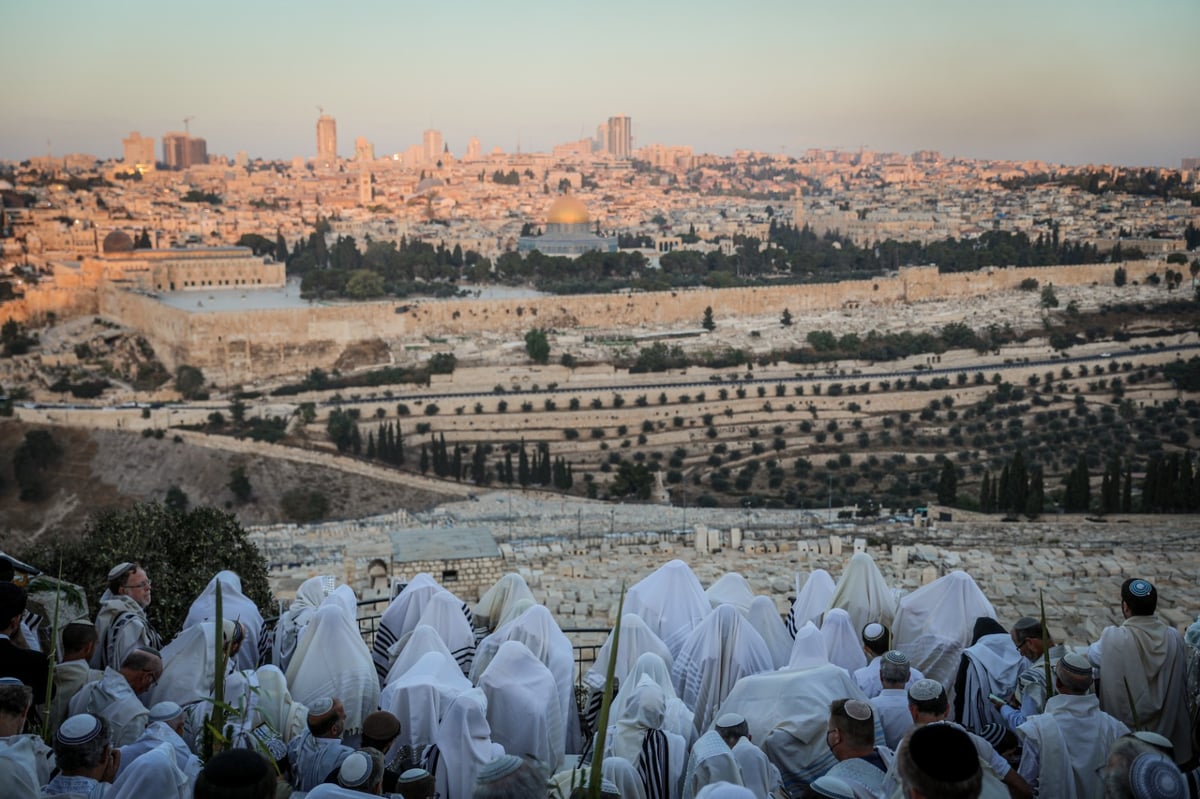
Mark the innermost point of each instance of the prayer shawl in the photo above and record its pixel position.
(639, 738)
(444, 613)
(331, 660)
(764, 617)
(811, 601)
(636, 639)
(64, 787)
(122, 627)
(731, 589)
(758, 775)
(189, 666)
(112, 699)
(867, 678)
(621, 772)
(1066, 746)
(677, 717)
(808, 649)
(292, 621)
(522, 706)
(864, 778)
(723, 649)
(934, 624)
(1147, 656)
(420, 696)
(724, 790)
(541, 635)
(711, 761)
(153, 774)
(463, 745)
(864, 594)
(263, 708)
(670, 601)
(491, 606)
(993, 665)
(157, 735)
(843, 646)
(25, 764)
(314, 759)
(403, 615)
(69, 677)
(412, 647)
(235, 606)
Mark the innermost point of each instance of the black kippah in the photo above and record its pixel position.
(234, 768)
(943, 752)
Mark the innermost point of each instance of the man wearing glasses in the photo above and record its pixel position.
(115, 696)
(121, 624)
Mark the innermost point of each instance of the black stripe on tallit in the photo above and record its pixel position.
(653, 765)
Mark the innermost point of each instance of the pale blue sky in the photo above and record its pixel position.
(1073, 81)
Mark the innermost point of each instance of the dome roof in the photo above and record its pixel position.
(117, 242)
(567, 210)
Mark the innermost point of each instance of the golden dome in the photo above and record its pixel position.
(567, 210)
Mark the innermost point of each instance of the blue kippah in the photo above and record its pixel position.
(1153, 776)
(1140, 588)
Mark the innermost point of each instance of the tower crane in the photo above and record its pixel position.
(186, 127)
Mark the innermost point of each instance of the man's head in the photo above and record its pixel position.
(12, 607)
(1136, 770)
(851, 730)
(236, 774)
(1073, 674)
(416, 783)
(362, 771)
(379, 730)
(1027, 636)
(327, 718)
(939, 760)
(79, 640)
(732, 727)
(894, 669)
(130, 579)
(1138, 598)
(81, 746)
(876, 639)
(927, 701)
(509, 777)
(141, 668)
(168, 713)
(15, 699)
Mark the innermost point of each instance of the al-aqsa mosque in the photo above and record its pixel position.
(568, 233)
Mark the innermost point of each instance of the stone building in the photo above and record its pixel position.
(466, 560)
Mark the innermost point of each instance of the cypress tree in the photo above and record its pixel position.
(985, 493)
(1127, 494)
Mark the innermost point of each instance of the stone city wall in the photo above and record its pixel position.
(474, 575)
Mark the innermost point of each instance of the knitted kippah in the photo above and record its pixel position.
(896, 656)
(874, 631)
(924, 690)
(944, 752)
(857, 710)
(78, 729)
(1152, 776)
(118, 570)
(413, 775)
(993, 733)
(500, 767)
(1075, 663)
(1140, 588)
(355, 770)
(165, 711)
(320, 707)
(832, 787)
(731, 720)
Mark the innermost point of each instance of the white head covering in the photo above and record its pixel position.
(189, 665)
(293, 620)
(720, 651)
(332, 660)
(808, 649)
(343, 596)
(670, 601)
(329, 790)
(412, 647)
(636, 639)
(644, 709)
(811, 601)
(994, 664)
(234, 605)
(731, 588)
(935, 623)
(864, 594)
(522, 705)
(263, 697)
(153, 774)
(679, 719)
(420, 696)
(843, 646)
(464, 742)
(443, 612)
(622, 773)
(402, 616)
(724, 790)
(491, 606)
(766, 620)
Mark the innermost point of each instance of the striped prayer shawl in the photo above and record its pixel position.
(653, 766)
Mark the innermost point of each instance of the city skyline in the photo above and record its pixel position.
(1070, 82)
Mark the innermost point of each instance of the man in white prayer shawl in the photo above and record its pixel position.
(235, 606)
(731, 588)
(165, 727)
(463, 745)
(121, 622)
(638, 737)
(491, 607)
(677, 716)
(154, 773)
(316, 754)
(420, 697)
(811, 600)
(85, 759)
(990, 666)
(711, 761)
(444, 614)
(1065, 747)
(876, 639)
(403, 615)
(787, 710)
(262, 709)
(934, 624)
(764, 617)
(841, 641)
(25, 760)
(1144, 658)
(864, 594)
(541, 635)
(114, 697)
(79, 641)
(309, 596)
(851, 738)
(758, 775)
(636, 639)
(405, 653)
(670, 601)
(189, 664)
(523, 710)
(721, 650)
(332, 660)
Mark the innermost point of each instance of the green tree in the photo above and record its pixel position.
(239, 483)
(785, 318)
(176, 499)
(304, 505)
(33, 456)
(1049, 298)
(537, 346)
(632, 480)
(189, 382)
(1120, 276)
(947, 491)
(707, 322)
(364, 284)
(341, 428)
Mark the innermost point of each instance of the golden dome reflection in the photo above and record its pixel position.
(567, 210)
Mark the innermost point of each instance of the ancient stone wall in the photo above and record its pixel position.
(471, 577)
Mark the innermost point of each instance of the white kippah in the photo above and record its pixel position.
(355, 770)
(1154, 739)
(413, 774)
(78, 729)
(118, 570)
(833, 787)
(10, 681)
(731, 720)
(859, 711)
(873, 631)
(321, 706)
(924, 690)
(165, 711)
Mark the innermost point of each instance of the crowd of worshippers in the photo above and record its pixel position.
(858, 691)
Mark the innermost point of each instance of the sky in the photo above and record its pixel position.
(1066, 81)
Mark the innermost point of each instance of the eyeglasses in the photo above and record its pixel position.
(154, 676)
(142, 584)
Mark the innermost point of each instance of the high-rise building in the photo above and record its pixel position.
(326, 140)
(472, 149)
(197, 151)
(139, 151)
(620, 136)
(432, 144)
(601, 143)
(363, 149)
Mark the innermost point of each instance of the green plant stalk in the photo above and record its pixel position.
(594, 776)
(1137, 723)
(1045, 646)
(213, 733)
(52, 659)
